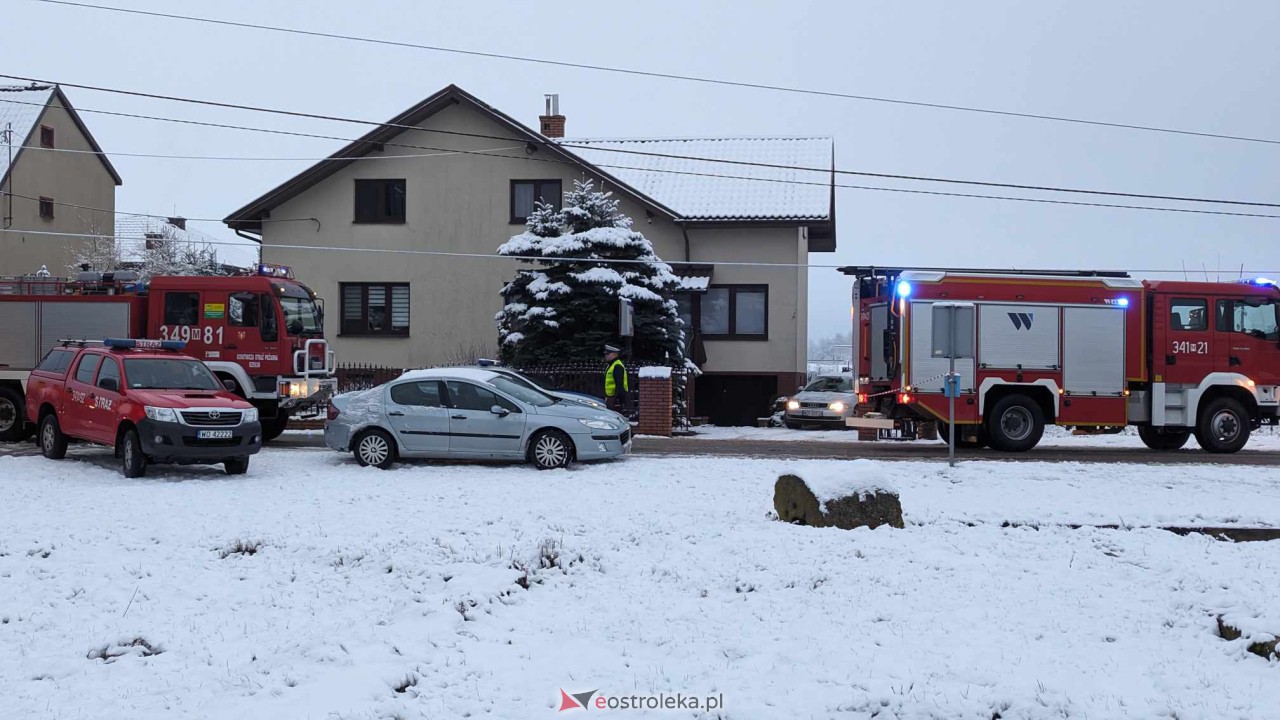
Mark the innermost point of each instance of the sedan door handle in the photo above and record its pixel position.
(458, 417)
(395, 413)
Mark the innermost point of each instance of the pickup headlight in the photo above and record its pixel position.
(598, 424)
(250, 415)
(836, 406)
(161, 414)
(793, 405)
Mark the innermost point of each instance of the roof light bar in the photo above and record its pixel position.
(144, 344)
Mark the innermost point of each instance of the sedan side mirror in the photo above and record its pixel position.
(499, 411)
(229, 384)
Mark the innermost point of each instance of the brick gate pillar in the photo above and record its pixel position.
(655, 401)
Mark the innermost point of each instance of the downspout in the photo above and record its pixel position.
(257, 240)
(684, 230)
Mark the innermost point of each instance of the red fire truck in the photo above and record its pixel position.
(262, 334)
(1085, 349)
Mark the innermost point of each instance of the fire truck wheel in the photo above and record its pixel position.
(1162, 438)
(236, 466)
(133, 463)
(1015, 424)
(13, 426)
(1223, 426)
(273, 427)
(53, 444)
(376, 448)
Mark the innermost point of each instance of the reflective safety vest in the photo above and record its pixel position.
(611, 385)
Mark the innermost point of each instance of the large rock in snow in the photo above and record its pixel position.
(842, 504)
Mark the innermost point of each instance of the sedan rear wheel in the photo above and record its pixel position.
(550, 450)
(375, 448)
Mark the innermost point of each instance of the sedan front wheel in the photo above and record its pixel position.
(550, 450)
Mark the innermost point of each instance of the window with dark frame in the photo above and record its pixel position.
(46, 208)
(727, 312)
(380, 201)
(375, 308)
(46, 136)
(1188, 315)
(525, 194)
(181, 308)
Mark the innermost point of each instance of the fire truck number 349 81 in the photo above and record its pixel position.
(1187, 347)
(192, 333)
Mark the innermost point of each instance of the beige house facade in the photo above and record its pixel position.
(398, 232)
(56, 185)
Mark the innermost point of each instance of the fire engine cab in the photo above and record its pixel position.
(261, 334)
(1085, 349)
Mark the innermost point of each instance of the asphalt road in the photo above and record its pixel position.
(889, 450)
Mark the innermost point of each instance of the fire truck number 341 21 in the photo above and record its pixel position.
(1187, 347)
(192, 333)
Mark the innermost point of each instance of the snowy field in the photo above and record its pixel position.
(312, 588)
(1055, 436)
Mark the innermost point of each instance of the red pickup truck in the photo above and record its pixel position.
(145, 399)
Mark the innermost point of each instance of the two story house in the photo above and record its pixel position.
(398, 232)
(54, 179)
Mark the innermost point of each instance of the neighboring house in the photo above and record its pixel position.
(138, 236)
(49, 165)
(384, 224)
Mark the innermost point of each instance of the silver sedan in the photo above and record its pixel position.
(471, 414)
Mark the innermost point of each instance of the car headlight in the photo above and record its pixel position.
(836, 406)
(793, 405)
(598, 424)
(250, 415)
(161, 414)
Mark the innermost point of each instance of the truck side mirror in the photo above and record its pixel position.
(229, 384)
(109, 384)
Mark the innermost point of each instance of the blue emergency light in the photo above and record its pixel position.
(904, 288)
(1122, 302)
(144, 344)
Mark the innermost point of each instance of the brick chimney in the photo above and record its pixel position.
(178, 222)
(552, 124)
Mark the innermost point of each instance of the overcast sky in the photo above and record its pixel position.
(1210, 67)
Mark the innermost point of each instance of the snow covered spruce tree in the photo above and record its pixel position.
(585, 257)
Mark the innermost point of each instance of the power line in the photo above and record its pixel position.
(668, 76)
(248, 158)
(535, 258)
(871, 188)
(645, 153)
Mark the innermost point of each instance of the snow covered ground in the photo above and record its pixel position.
(312, 588)
(1054, 436)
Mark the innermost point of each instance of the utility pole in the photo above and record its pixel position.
(8, 141)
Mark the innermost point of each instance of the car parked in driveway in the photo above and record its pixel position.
(824, 402)
(470, 414)
(146, 400)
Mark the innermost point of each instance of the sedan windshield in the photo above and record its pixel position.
(522, 392)
(167, 374)
(830, 383)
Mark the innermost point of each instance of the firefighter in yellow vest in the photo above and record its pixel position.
(617, 391)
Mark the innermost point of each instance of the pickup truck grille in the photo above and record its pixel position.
(228, 418)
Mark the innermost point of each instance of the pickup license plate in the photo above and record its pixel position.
(213, 434)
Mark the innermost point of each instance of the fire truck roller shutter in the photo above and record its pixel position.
(879, 369)
(18, 335)
(1093, 350)
(923, 365)
(1013, 335)
(82, 320)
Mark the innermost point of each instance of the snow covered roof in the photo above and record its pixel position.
(133, 231)
(21, 106)
(683, 174)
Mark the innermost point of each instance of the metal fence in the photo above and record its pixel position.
(358, 376)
